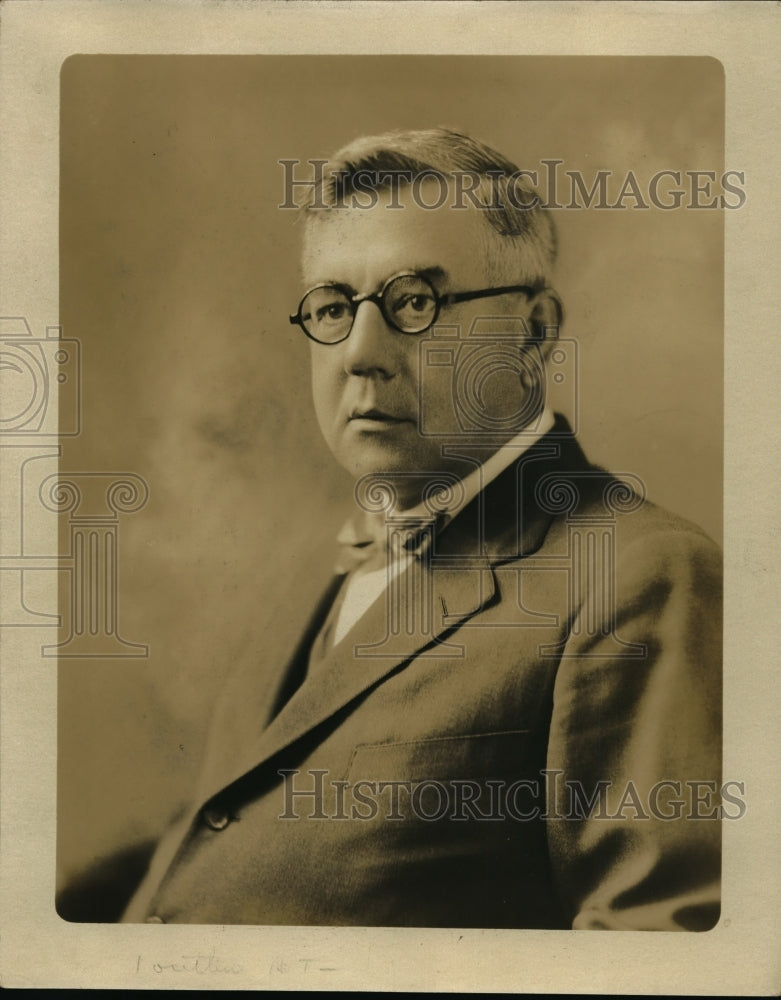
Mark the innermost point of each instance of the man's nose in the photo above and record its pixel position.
(372, 347)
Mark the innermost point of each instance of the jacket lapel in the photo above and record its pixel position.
(448, 586)
(370, 651)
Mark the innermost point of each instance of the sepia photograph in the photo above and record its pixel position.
(382, 432)
(417, 613)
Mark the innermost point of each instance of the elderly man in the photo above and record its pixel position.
(505, 709)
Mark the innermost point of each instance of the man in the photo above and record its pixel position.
(505, 710)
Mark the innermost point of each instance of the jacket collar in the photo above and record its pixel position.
(508, 520)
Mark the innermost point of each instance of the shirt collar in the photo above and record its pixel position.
(479, 478)
(360, 537)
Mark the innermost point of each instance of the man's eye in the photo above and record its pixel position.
(415, 303)
(333, 311)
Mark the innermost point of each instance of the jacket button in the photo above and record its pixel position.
(154, 920)
(214, 818)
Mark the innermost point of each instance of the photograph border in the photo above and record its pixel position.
(740, 954)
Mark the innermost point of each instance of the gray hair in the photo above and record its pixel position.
(500, 190)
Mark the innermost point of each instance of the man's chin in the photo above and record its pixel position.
(405, 478)
(394, 471)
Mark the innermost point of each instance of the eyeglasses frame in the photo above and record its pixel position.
(451, 298)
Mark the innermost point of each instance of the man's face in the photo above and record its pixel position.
(367, 389)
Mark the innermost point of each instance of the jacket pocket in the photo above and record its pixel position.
(444, 758)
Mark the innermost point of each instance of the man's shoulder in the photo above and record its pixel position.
(619, 499)
(648, 545)
(595, 492)
(611, 509)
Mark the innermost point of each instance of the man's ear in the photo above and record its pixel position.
(546, 318)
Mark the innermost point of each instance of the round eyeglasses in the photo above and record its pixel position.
(408, 302)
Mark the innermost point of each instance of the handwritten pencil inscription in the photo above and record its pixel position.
(200, 964)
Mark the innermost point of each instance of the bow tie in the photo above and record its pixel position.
(367, 537)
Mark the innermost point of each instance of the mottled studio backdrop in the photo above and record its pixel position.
(178, 272)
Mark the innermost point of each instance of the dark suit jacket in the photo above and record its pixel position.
(567, 635)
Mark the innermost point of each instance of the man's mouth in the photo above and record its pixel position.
(376, 416)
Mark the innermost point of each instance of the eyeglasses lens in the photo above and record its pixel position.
(327, 314)
(410, 303)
